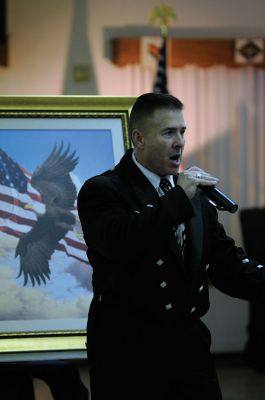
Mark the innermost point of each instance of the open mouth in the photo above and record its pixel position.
(175, 157)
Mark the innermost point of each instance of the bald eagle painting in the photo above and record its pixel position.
(53, 181)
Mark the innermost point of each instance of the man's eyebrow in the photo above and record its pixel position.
(174, 128)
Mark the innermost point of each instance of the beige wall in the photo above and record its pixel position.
(41, 33)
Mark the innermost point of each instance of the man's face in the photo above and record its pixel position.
(160, 141)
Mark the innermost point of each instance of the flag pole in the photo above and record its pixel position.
(163, 14)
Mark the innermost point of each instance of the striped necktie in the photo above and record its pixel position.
(181, 237)
(165, 185)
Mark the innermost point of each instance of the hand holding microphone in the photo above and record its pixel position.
(195, 177)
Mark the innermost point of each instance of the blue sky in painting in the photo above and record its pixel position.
(31, 147)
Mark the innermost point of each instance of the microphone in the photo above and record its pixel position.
(220, 200)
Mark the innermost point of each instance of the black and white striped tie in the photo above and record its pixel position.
(181, 235)
(165, 185)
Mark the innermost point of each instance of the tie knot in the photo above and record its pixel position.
(165, 185)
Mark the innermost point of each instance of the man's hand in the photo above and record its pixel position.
(193, 177)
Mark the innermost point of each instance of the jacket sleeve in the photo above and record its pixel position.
(231, 270)
(114, 229)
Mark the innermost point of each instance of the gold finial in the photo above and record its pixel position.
(163, 13)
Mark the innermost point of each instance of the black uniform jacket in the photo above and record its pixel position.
(130, 234)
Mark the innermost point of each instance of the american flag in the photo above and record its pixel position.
(160, 85)
(16, 220)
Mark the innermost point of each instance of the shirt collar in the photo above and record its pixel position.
(153, 178)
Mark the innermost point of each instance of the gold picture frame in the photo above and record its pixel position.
(27, 125)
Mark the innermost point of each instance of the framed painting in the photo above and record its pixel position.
(48, 147)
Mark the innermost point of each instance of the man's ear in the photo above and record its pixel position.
(138, 139)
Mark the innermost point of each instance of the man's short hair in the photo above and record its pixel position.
(147, 103)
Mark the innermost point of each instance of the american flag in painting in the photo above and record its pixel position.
(16, 219)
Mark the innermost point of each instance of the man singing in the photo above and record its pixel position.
(153, 241)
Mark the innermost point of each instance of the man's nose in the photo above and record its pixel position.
(179, 140)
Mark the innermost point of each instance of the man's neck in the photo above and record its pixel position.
(153, 178)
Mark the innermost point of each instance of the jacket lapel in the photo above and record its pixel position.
(195, 235)
(143, 189)
(194, 228)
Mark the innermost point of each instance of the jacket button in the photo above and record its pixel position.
(193, 309)
(163, 284)
(159, 262)
(207, 267)
(246, 260)
(201, 289)
(168, 306)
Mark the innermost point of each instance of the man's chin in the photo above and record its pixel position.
(169, 171)
(173, 171)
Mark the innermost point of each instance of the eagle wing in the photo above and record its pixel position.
(52, 179)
